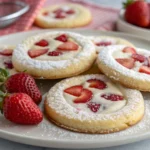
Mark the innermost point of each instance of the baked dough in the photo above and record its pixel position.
(135, 75)
(103, 41)
(6, 52)
(75, 54)
(63, 16)
(111, 107)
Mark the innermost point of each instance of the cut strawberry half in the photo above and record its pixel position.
(112, 97)
(103, 43)
(62, 38)
(74, 90)
(98, 84)
(54, 53)
(6, 52)
(129, 50)
(38, 52)
(42, 43)
(8, 65)
(71, 11)
(68, 46)
(144, 69)
(45, 13)
(93, 106)
(138, 57)
(126, 62)
(86, 95)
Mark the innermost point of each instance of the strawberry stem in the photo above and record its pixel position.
(127, 3)
(2, 97)
(4, 74)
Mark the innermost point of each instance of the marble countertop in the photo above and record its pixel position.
(144, 145)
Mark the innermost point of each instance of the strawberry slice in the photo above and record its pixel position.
(38, 52)
(126, 62)
(129, 50)
(144, 69)
(74, 90)
(45, 14)
(68, 46)
(54, 53)
(62, 38)
(8, 65)
(60, 15)
(71, 11)
(93, 106)
(86, 95)
(112, 97)
(57, 11)
(42, 43)
(98, 84)
(6, 52)
(103, 43)
(138, 57)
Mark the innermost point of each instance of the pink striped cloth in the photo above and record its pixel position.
(103, 18)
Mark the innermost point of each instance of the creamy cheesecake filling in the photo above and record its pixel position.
(102, 105)
(52, 46)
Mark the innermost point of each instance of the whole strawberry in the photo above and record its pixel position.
(20, 82)
(137, 12)
(20, 108)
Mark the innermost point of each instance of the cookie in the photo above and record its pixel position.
(126, 65)
(54, 55)
(6, 52)
(63, 16)
(93, 104)
(103, 41)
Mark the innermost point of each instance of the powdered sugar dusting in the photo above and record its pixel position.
(21, 56)
(56, 100)
(106, 57)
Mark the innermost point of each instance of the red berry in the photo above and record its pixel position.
(138, 57)
(86, 95)
(22, 82)
(6, 52)
(126, 62)
(62, 38)
(20, 108)
(45, 14)
(8, 65)
(103, 43)
(96, 83)
(42, 43)
(144, 69)
(37, 52)
(74, 90)
(112, 97)
(71, 11)
(54, 53)
(93, 106)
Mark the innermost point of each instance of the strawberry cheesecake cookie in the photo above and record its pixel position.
(54, 55)
(6, 58)
(93, 104)
(103, 41)
(129, 66)
(63, 16)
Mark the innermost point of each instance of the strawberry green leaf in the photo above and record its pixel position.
(4, 74)
(127, 3)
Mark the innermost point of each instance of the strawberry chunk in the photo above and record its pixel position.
(129, 50)
(71, 11)
(138, 57)
(144, 69)
(86, 95)
(93, 106)
(112, 97)
(45, 14)
(6, 52)
(62, 38)
(98, 84)
(57, 11)
(68, 46)
(103, 43)
(60, 15)
(8, 65)
(35, 53)
(42, 43)
(74, 90)
(55, 53)
(126, 62)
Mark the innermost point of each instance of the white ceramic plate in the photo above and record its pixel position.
(124, 26)
(48, 135)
